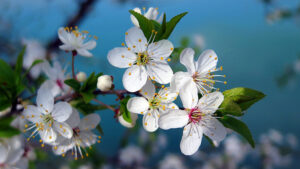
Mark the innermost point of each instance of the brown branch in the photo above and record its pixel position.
(84, 9)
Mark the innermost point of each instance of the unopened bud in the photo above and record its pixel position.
(125, 123)
(81, 76)
(105, 83)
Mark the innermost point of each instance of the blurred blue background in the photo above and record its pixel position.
(252, 51)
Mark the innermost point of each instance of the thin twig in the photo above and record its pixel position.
(103, 104)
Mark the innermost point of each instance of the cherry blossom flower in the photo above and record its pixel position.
(172, 161)
(48, 119)
(143, 59)
(56, 76)
(199, 74)
(152, 104)
(11, 153)
(151, 14)
(75, 41)
(82, 135)
(197, 119)
(34, 51)
(131, 155)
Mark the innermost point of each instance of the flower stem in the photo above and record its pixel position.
(74, 53)
(103, 104)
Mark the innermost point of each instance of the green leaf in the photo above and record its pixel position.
(172, 24)
(230, 107)
(123, 109)
(6, 121)
(244, 97)
(8, 131)
(36, 62)
(91, 83)
(5, 101)
(145, 24)
(19, 64)
(7, 76)
(87, 97)
(239, 127)
(73, 84)
(162, 29)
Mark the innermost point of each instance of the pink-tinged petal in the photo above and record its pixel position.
(207, 61)
(189, 95)
(160, 71)
(137, 105)
(161, 49)
(136, 40)
(191, 139)
(187, 59)
(134, 78)
(173, 119)
(89, 122)
(61, 111)
(121, 57)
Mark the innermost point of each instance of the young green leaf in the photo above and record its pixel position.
(73, 84)
(87, 97)
(244, 97)
(230, 107)
(123, 109)
(145, 24)
(239, 127)
(162, 29)
(8, 131)
(172, 24)
(19, 63)
(7, 75)
(36, 62)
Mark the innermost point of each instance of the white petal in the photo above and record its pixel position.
(61, 111)
(89, 45)
(191, 139)
(150, 121)
(63, 147)
(63, 35)
(63, 129)
(50, 72)
(148, 90)
(45, 100)
(206, 61)
(134, 78)
(122, 121)
(137, 105)
(52, 87)
(89, 122)
(4, 153)
(189, 95)
(209, 103)
(173, 119)
(32, 113)
(165, 108)
(48, 135)
(180, 79)
(88, 138)
(74, 119)
(121, 57)
(187, 59)
(22, 163)
(84, 52)
(66, 47)
(168, 95)
(160, 71)
(214, 129)
(151, 13)
(133, 19)
(161, 49)
(136, 40)
(14, 156)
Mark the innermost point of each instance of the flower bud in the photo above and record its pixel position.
(105, 83)
(81, 76)
(127, 124)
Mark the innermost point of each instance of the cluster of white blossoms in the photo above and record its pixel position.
(146, 63)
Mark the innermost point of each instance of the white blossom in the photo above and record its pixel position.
(197, 119)
(152, 105)
(48, 119)
(131, 155)
(151, 14)
(75, 41)
(143, 59)
(172, 161)
(199, 76)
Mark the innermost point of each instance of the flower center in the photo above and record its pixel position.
(76, 131)
(143, 58)
(195, 115)
(48, 119)
(59, 83)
